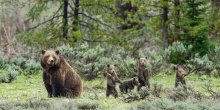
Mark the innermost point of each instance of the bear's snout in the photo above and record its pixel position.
(51, 61)
(142, 63)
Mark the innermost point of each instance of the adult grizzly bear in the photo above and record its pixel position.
(180, 76)
(128, 85)
(112, 79)
(143, 76)
(60, 79)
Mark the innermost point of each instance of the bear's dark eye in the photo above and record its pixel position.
(54, 58)
(46, 57)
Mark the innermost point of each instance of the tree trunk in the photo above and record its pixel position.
(164, 24)
(76, 15)
(65, 19)
(215, 10)
(215, 3)
(177, 15)
(176, 30)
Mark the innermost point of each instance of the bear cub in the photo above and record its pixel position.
(180, 76)
(112, 79)
(128, 85)
(143, 75)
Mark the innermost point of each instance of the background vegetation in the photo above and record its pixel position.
(92, 34)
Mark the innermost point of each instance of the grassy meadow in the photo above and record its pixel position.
(28, 92)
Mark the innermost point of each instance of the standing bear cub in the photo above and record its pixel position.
(180, 76)
(143, 75)
(128, 85)
(112, 79)
(60, 79)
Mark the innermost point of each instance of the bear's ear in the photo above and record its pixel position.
(138, 58)
(174, 67)
(108, 65)
(43, 51)
(134, 79)
(145, 57)
(57, 51)
(115, 65)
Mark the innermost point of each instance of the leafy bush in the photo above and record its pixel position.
(91, 62)
(16, 65)
(179, 94)
(157, 88)
(127, 66)
(3, 62)
(44, 104)
(137, 95)
(178, 53)
(215, 58)
(155, 105)
(32, 67)
(155, 62)
(9, 75)
(183, 92)
(198, 64)
(168, 104)
(67, 51)
(19, 61)
(209, 88)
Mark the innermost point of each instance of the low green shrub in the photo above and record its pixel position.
(32, 67)
(179, 93)
(2, 62)
(46, 104)
(201, 64)
(18, 61)
(168, 104)
(178, 53)
(8, 75)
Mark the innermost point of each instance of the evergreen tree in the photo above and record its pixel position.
(194, 27)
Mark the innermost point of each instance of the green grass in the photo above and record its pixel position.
(23, 88)
(194, 81)
(26, 89)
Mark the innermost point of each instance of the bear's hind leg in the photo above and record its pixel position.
(115, 93)
(148, 84)
(108, 91)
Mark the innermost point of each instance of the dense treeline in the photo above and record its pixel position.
(121, 22)
(116, 31)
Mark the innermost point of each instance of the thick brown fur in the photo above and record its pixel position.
(129, 85)
(143, 75)
(112, 79)
(180, 76)
(60, 79)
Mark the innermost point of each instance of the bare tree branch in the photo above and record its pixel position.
(44, 22)
(83, 14)
(49, 20)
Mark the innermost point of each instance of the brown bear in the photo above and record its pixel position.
(60, 79)
(143, 75)
(180, 76)
(128, 85)
(112, 79)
